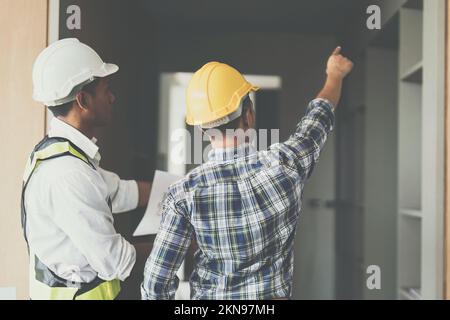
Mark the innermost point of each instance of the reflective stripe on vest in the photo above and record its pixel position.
(54, 150)
(106, 290)
(44, 284)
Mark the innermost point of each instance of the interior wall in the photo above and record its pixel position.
(367, 171)
(117, 32)
(357, 39)
(22, 125)
(367, 177)
(350, 185)
(298, 59)
(380, 170)
(114, 30)
(123, 35)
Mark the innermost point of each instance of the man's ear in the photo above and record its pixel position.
(82, 99)
(248, 117)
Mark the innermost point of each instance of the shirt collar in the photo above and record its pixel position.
(230, 153)
(61, 129)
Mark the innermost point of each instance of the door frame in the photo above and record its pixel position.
(447, 155)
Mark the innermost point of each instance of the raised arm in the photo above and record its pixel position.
(338, 67)
(303, 148)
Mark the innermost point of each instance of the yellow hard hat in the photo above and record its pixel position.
(214, 95)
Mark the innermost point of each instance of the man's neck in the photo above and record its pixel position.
(87, 130)
(225, 143)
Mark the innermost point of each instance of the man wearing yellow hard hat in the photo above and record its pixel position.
(241, 206)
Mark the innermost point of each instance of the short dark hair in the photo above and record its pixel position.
(64, 109)
(90, 87)
(233, 125)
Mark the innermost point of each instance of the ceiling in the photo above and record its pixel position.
(298, 16)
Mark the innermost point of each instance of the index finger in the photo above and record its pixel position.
(336, 51)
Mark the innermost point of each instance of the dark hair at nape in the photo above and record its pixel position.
(233, 125)
(64, 109)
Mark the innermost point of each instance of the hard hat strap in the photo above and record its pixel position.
(227, 119)
(73, 94)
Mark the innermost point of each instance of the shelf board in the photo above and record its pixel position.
(411, 213)
(414, 74)
(388, 36)
(410, 293)
(414, 4)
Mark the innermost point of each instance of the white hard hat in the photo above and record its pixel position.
(63, 68)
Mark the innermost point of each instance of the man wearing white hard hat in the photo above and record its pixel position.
(67, 199)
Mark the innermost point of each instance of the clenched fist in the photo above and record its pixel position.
(338, 66)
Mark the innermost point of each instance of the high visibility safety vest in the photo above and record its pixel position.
(45, 284)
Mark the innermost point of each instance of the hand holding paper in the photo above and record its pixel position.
(152, 217)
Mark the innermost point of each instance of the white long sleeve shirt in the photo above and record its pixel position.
(69, 223)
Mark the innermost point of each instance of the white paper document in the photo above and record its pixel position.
(152, 217)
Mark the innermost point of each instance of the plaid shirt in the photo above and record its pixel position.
(242, 207)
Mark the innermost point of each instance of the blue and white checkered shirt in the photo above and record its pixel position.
(242, 208)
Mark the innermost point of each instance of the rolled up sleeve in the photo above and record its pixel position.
(124, 194)
(303, 148)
